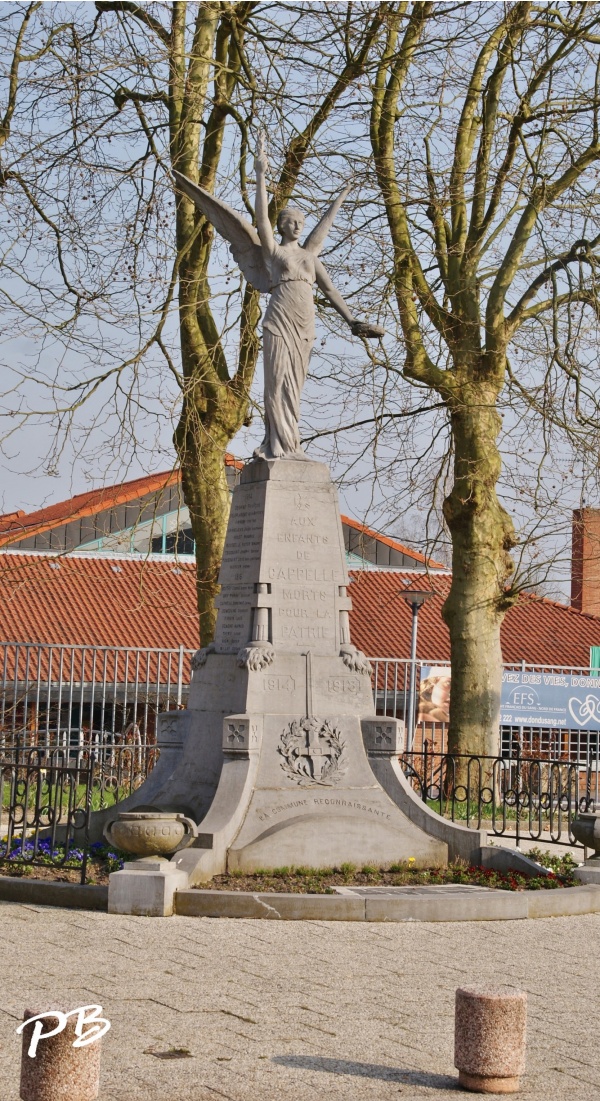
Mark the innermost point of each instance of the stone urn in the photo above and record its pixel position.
(150, 833)
(586, 828)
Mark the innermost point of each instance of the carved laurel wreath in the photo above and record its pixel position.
(296, 761)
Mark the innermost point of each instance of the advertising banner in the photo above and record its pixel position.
(528, 698)
(550, 699)
(434, 694)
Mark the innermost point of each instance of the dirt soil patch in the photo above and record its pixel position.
(96, 872)
(323, 881)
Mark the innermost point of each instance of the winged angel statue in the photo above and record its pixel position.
(287, 271)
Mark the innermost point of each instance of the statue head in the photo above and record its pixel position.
(290, 223)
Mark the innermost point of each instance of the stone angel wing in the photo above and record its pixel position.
(243, 239)
(316, 238)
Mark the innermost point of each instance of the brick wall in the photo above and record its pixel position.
(585, 566)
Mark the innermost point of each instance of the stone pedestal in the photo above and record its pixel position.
(145, 887)
(273, 766)
(489, 1038)
(586, 828)
(589, 872)
(295, 786)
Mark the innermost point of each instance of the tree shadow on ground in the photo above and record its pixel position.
(367, 1070)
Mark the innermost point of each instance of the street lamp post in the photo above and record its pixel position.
(416, 598)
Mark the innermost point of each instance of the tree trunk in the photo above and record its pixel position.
(482, 534)
(206, 493)
(214, 408)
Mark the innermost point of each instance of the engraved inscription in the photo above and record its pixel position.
(346, 685)
(244, 538)
(281, 808)
(304, 573)
(306, 613)
(279, 684)
(354, 805)
(303, 538)
(234, 616)
(305, 594)
(264, 814)
(303, 634)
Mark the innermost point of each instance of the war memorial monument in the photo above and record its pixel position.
(279, 759)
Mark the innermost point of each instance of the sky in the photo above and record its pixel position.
(342, 386)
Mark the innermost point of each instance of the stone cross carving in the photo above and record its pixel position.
(236, 734)
(314, 750)
(382, 735)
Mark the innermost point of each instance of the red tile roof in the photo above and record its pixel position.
(371, 533)
(150, 602)
(97, 601)
(535, 630)
(15, 526)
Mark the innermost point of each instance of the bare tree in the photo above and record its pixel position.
(143, 89)
(484, 131)
(481, 123)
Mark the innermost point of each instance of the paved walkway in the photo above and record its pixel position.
(291, 1011)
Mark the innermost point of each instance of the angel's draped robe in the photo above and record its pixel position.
(288, 337)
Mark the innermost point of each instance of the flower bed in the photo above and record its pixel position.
(324, 880)
(50, 862)
(103, 859)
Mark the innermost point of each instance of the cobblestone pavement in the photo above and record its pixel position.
(276, 1010)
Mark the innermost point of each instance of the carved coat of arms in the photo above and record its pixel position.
(313, 753)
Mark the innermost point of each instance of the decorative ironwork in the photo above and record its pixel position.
(515, 796)
(45, 808)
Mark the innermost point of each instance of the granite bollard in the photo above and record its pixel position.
(489, 1038)
(58, 1071)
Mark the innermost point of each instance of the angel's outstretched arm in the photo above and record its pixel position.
(315, 240)
(265, 230)
(359, 328)
(324, 283)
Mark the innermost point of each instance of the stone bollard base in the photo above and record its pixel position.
(483, 1083)
(58, 1071)
(489, 1038)
(145, 887)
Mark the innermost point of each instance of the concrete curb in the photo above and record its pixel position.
(45, 892)
(495, 906)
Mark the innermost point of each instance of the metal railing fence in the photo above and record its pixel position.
(516, 797)
(48, 794)
(82, 696)
(78, 734)
(44, 798)
(79, 696)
